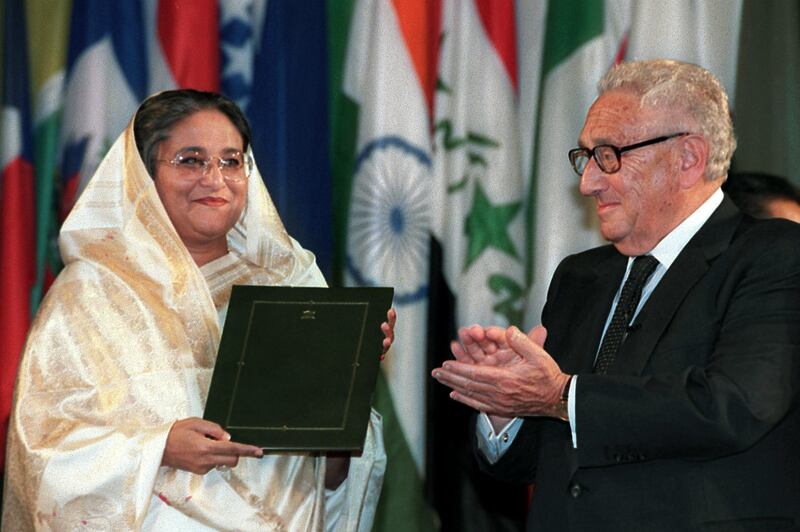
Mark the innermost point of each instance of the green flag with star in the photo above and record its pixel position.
(487, 226)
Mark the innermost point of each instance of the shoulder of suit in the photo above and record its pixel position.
(592, 256)
(768, 232)
(587, 264)
(768, 246)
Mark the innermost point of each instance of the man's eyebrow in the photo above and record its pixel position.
(602, 141)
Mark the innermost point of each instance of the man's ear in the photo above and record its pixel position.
(693, 159)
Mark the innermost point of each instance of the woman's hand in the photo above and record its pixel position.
(198, 446)
(388, 331)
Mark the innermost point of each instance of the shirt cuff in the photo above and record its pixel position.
(494, 445)
(571, 410)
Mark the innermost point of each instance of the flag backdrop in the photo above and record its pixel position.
(582, 39)
(479, 230)
(478, 177)
(49, 29)
(17, 211)
(389, 211)
(367, 161)
(106, 77)
(291, 142)
(387, 79)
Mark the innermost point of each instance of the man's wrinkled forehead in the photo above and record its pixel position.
(619, 117)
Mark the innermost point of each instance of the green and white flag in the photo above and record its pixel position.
(582, 40)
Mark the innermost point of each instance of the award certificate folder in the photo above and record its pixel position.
(296, 367)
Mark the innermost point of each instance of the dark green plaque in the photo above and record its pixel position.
(296, 367)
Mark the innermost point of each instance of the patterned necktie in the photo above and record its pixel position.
(643, 267)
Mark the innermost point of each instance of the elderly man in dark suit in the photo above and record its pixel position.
(661, 392)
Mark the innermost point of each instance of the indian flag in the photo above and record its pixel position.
(382, 171)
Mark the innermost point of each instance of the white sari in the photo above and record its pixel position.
(123, 346)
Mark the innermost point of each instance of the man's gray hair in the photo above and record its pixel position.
(687, 88)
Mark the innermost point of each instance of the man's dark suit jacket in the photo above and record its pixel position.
(697, 424)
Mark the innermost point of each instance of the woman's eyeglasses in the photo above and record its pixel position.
(234, 166)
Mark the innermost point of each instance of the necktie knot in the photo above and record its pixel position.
(643, 267)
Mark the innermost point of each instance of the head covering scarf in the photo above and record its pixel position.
(123, 346)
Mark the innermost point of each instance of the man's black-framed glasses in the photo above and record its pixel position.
(608, 157)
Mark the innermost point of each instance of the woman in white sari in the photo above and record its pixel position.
(106, 432)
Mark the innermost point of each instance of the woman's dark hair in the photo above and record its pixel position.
(159, 113)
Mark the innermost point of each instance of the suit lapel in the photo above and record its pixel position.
(604, 283)
(689, 267)
(597, 290)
